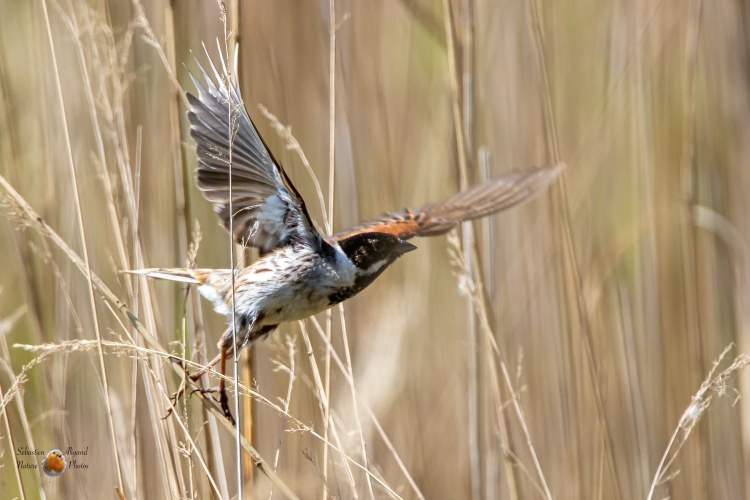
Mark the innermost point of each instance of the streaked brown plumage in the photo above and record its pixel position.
(300, 272)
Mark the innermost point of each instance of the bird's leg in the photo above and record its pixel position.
(175, 397)
(221, 388)
(228, 345)
(223, 399)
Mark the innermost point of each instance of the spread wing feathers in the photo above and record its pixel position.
(268, 212)
(515, 187)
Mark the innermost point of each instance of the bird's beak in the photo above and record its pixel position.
(405, 247)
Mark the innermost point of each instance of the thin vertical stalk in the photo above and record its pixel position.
(134, 380)
(476, 381)
(246, 372)
(236, 351)
(331, 192)
(461, 127)
(77, 197)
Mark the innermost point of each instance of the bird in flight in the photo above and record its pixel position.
(300, 272)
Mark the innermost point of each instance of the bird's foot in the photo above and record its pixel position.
(223, 400)
(175, 398)
(176, 395)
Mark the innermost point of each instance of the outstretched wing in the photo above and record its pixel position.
(515, 187)
(267, 211)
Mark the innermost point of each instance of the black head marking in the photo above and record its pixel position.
(372, 253)
(368, 249)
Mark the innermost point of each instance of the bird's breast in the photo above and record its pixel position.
(292, 286)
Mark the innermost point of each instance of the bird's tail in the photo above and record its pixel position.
(197, 276)
(213, 284)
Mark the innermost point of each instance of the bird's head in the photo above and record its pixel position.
(373, 252)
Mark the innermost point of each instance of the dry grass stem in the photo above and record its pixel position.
(715, 385)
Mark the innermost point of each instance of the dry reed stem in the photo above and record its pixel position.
(248, 410)
(231, 131)
(79, 210)
(331, 197)
(38, 223)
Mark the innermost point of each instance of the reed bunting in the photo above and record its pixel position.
(300, 272)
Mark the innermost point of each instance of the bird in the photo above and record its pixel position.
(299, 272)
(54, 464)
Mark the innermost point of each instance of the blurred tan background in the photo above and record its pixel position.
(608, 298)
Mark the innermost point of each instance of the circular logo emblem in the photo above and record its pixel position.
(54, 463)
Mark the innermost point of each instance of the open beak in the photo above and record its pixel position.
(405, 247)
